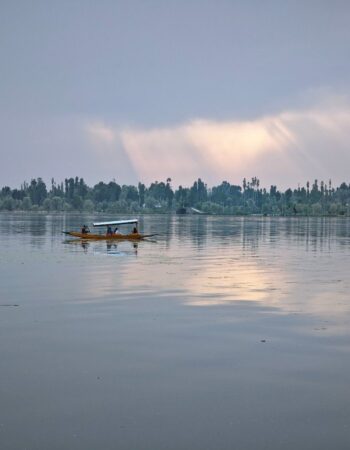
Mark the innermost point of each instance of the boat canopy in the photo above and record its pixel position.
(115, 222)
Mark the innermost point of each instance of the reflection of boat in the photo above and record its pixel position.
(110, 235)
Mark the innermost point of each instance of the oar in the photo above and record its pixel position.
(149, 235)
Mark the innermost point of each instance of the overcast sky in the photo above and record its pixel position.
(145, 90)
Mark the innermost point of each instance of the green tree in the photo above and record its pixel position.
(142, 192)
(37, 191)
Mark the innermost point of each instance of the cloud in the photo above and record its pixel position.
(284, 149)
(101, 133)
(201, 148)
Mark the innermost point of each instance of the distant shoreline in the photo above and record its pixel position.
(167, 213)
(317, 199)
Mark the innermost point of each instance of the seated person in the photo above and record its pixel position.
(134, 231)
(109, 230)
(85, 230)
(116, 231)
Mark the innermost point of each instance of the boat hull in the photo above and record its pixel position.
(109, 237)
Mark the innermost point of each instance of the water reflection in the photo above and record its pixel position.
(288, 264)
(231, 330)
(231, 280)
(291, 264)
(107, 247)
(124, 248)
(85, 246)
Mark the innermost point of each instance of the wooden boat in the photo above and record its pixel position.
(120, 237)
(110, 236)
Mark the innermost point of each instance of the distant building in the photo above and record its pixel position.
(188, 210)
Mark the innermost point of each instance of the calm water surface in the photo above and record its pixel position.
(225, 333)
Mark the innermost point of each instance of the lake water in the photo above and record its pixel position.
(225, 333)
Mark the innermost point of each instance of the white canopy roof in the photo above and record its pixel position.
(115, 222)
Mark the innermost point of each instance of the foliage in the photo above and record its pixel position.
(317, 198)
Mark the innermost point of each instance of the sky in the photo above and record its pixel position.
(146, 90)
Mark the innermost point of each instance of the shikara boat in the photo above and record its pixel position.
(110, 235)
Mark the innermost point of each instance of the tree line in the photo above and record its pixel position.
(318, 198)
